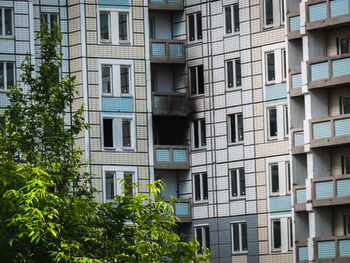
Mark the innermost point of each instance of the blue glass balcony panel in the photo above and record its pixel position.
(339, 7)
(301, 196)
(160, 102)
(322, 130)
(303, 253)
(296, 81)
(341, 67)
(326, 249)
(319, 71)
(344, 248)
(294, 23)
(158, 49)
(182, 209)
(298, 138)
(162, 155)
(317, 11)
(343, 187)
(179, 155)
(342, 127)
(175, 49)
(324, 189)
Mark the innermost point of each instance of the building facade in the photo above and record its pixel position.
(239, 107)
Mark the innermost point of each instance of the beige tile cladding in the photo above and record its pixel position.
(120, 158)
(280, 258)
(240, 259)
(110, 51)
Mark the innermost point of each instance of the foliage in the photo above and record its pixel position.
(44, 219)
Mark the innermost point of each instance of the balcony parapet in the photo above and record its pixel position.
(301, 251)
(324, 14)
(169, 104)
(297, 141)
(295, 83)
(168, 51)
(293, 26)
(332, 249)
(166, 5)
(172, 157)
(182, 210)
(330, 131)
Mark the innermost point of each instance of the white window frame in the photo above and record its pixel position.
(282, 7)
(200, 146)
(284, 64)
(288, 173)
(238, 182)
(116, 64)
(241, 251)
(285, 121)
(265, 16)
(270, 179)
(238, 140)
(201, 185)
(346, 224)
(204, 239)
(270, 137)
(113, 25)
(268, 82)
(2, 10)
(273, 237)
(233, 30)
(117, 133)
(285, 233)
(119, 172)
(196, 39)
(111, 80)
(197, 81)
(5, 74)
(234, 75)
(281, 163)
(290, 234)
(49, 14)
(280, 119)
(277, 50)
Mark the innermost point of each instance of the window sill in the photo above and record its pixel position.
(235, 143)
(118, 150)
(237, 198)
(228, 35)
(200, 149)
(200, 202)
(197, 96)
(107, 43)
(193, 42)
(4, 90)
(7, 37)
(237, 253)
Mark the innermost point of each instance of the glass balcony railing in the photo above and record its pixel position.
(330, 131)
(293, 26)
(182, 210)
(167, 51)
(169, 103)
(333, 249)
(302, 253)
(331, 191)
(297, 141)
(327, 13)
(171, 157)
(299, 198)
(171, 5)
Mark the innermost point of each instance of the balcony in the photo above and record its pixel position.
(327, 14)
(297, 141)
(302, 253)
(329, 72)
(167, 51)
(169, 104)
(299, 198)
(330, 191)
(166, 5)
(332, 249)
(295, 83)
(182, 210)
(293, 26)
(330, 131)
(171, 157)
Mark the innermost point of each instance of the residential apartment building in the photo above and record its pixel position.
(239, 107)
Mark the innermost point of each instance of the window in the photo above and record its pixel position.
(7, 75)
(113, 184)
(106, 79)
(290, 234)
(345, 105)
(343, 45)
(49, 20)
(284, 65)
(195, 27)
(272, 123)
(6, 24)
(117, 133)
(270, 66)
(114, 27)
(200, 187)
(199, 133)
(282, 11)
(125, 79)
(236, 127)
(234, 73)
(197, 80)
(237, 182)
(231, 19)
(126, 133)
(239, 237)
(286, 125)
(202, 236)
(289, 182)
(274, 179)
(268, 12)
(346, 164)
(346, 225)
(276, 235)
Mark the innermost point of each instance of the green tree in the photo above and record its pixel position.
(47, 213)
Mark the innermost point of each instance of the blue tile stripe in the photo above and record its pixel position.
(319, 71)
(301, 196)
(117, 104)
(343, 187)
(276, 91)
(344, 248)
(339, 7)
(341, 67)
(294, 23)
(280, 203)
(114, 3)
(179, 155)
(296, 81)
(162, 155)
(322, 130)
(324, 189)
(326, 249)
(303, 253)
(181, 209)
(298, 138)
(342, 127)
(317, 11)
